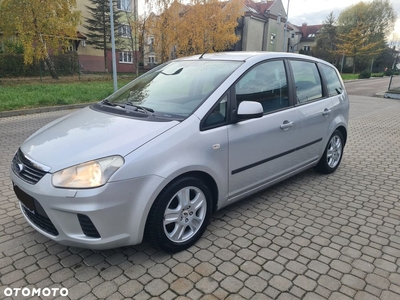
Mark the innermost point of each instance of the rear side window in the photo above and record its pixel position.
(332, 80)
(265, 83)
(307, 81)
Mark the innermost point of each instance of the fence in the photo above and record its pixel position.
(12, 65)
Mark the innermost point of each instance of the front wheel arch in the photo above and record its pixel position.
(153, 231)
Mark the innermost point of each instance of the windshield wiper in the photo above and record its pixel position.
(106, 102)
(147, 110)
(144, 109)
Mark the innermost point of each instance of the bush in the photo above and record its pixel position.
(377, 75)
(364, 74)
(388, 72)
(345, 70)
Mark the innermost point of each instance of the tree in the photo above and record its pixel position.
(368, 25)
(135, 42)
(99, 26)
(326, 40)
(40, 26)
(163, 25)
(208, 26)
(201, 26)
(356, 44)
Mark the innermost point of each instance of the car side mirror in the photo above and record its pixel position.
(249, 110)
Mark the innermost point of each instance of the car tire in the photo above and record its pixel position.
(179, 215)
(333, 154)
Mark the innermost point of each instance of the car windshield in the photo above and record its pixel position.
(175, 89)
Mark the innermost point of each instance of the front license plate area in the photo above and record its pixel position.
(26, 200)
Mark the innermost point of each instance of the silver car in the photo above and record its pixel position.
(155, 159)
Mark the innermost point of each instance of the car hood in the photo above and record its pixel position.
(86, 135)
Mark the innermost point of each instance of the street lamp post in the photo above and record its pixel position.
(114, 61)
(285, 28)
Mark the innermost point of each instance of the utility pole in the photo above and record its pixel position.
(114, 61)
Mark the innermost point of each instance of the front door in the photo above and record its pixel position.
(263, 149)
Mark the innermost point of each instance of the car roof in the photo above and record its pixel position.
(246, 55)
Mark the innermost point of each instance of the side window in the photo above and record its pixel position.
(332, 80)
(307, 81)
(266, 83)
(218, 115)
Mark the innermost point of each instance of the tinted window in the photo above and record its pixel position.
(307, 81)
(332, 80)
(265, 83)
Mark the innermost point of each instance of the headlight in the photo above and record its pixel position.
(88, 175)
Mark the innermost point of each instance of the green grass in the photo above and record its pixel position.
(350, 76)
(355, 76)
(29, 95)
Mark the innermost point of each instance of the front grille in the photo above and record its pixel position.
(41, 221)
(88, 226)
(25, 169)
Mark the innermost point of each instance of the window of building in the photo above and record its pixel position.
(307, 81)
(279, 19)
(307, 48)
(124, 5)
(124, 30)
(292, 35)
(125, 57)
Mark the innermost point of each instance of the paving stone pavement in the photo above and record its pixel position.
(311, 237)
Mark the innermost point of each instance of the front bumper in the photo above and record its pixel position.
(117, 211)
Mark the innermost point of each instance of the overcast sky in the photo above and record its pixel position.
(315, 11)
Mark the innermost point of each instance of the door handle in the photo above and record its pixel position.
(286, 125)
(326, 112)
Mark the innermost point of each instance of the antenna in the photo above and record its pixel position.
(201, 56)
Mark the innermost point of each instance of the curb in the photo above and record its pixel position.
(28, 111)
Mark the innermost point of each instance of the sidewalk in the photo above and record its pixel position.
(28, 111)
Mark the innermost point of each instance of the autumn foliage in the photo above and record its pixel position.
(198, 27)
(39, 26)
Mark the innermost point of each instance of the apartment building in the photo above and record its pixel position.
(91, 59)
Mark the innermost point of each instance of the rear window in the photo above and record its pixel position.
(332, 80)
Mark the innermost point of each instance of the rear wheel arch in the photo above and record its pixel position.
(343, 131)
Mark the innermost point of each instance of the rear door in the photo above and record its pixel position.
(314, 108)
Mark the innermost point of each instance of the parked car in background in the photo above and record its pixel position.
(159, 156)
